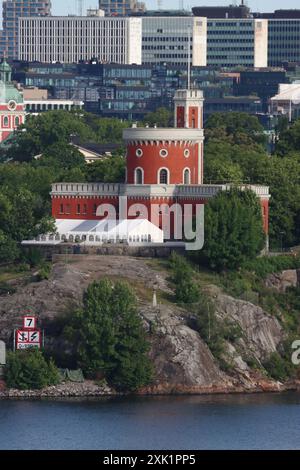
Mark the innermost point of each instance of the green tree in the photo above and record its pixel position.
(162, 117)
(29, 370)
(108, 170)
(45, 130)
(240, 128)
(233, 230)
(110, 336)
(186, 290)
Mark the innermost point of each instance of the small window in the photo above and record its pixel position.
(139, 153)
(186, 177)
(186, 153)
(84, 209)
(61, 209)
(94, 209)
(5, 121)
(17, 121)
(163, 176)
(139, 176)
(164, 153)
(78, 209)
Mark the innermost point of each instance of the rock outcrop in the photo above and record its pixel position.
(282, 281)
(183, 362)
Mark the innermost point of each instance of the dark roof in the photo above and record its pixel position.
(101, 149)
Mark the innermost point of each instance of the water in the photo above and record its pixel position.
(268, 421)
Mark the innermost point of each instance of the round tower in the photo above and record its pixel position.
(169, 155)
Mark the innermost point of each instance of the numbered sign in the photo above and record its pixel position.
(28, 339)
(29, 322)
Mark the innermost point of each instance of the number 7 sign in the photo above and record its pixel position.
(29, 322)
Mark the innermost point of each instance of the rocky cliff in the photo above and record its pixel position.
(183, 362)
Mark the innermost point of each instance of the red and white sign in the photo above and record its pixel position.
(29, 322)
(28, 339)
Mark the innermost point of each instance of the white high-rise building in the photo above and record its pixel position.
(74, 39)
(167, 39)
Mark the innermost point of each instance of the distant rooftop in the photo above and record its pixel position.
(162, 13)
(230, 11)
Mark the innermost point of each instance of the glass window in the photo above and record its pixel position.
(163, 177)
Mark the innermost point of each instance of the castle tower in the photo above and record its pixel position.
(188, 109)
(12, 111)
(174, 156)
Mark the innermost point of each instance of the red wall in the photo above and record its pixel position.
(151, 162)
(90, 202)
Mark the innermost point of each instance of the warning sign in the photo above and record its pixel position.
(28, 339)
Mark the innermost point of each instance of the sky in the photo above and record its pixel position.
(69, 6)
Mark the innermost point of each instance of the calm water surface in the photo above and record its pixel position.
(268, 421)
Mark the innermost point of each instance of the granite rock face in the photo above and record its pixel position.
(282, 281)
(182, 361)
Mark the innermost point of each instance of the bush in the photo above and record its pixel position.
(277, 367)
(44, 272)
(233, 230)
(29, 370)
(33, 256)
(110, 337)
(271, 264)
(186, 290)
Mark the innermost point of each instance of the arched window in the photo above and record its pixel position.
(186, 176)
(139, 176)
(17, 121)
(5, 121)
(163, 176)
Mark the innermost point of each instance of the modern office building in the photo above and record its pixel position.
(121, 7)
(284, 36)
(12, 10)
(237, 42)
(174, 40)
(75, 39)
(132, 91)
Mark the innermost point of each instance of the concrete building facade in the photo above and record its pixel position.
(74, 39)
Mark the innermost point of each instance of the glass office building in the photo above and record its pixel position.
(12, 10)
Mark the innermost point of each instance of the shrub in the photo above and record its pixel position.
(271, 264)
(186, 290)
(110, 336)
(28, 370)
(277, 367)
(233, 230)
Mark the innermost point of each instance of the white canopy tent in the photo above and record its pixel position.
(94, 232)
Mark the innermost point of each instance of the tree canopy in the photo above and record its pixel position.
(110, 336)
(233, 230)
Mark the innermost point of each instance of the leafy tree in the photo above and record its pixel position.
(45, 130)
(233, 230)
(29, 370)
(110, 336)
(186, 290)
(162, 117)
(289, 140)
(240, 128)
(9, 251)
(108, 170)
